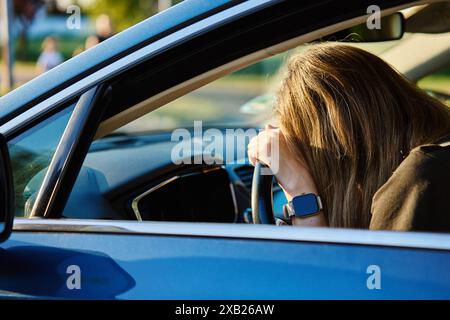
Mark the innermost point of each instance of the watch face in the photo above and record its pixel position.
(305, 204)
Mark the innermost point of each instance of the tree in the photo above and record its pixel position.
(24, 13)
(124, 13)
(7, 77)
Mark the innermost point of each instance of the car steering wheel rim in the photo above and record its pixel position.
(262, 196)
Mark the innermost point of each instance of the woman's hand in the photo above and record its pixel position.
(292, 176)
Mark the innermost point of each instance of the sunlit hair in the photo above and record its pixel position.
(352, 119)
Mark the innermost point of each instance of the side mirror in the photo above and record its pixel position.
(392, 27)
(6, 192)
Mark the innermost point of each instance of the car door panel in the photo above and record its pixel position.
(127, 266)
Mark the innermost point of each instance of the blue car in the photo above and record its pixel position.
(108, 192)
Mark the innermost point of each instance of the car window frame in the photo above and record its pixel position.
(70, 153)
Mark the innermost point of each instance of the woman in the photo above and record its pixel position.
(362, 137)
(50, 56)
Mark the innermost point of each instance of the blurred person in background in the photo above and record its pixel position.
(50, 56)
(104, 30)
(90, 42)
(104, 27)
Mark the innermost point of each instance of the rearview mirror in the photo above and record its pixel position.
(391, 27)
(6, 192)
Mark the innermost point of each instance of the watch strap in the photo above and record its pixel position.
(289, 210)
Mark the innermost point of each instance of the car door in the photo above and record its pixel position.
(128, 260)
(49, 257)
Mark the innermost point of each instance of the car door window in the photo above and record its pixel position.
(31, 153)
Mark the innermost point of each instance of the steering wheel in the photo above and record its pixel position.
(262, 197)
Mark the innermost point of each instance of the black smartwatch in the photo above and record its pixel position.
(302, 206)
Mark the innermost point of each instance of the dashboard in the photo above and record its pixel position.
(133, 177)
(204, 195)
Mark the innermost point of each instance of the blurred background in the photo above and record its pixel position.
(37, 35)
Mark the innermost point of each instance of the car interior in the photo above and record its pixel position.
(129, 173)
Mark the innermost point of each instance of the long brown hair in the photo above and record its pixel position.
(351, 119)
